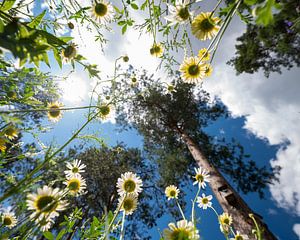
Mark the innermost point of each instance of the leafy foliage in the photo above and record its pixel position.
(257, 50)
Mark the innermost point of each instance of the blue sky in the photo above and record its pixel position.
(264, 118)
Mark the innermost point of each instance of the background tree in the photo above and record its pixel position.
(270, 47)
(177, 120)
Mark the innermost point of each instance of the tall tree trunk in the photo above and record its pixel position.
(229, 199)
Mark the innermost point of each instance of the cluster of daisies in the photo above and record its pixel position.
(129, 186)
(204, 27)
(187, 229)
(47, 202)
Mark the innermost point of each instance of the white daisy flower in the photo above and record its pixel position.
(179, 13)
(201, 177)
(76, 184)
(204, 201)
(74, 168)
(46, 202)
(172, 192)
(129, 183)
(184, 230)
(8, 218)
(129, 203)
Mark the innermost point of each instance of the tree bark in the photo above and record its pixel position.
(229, 199)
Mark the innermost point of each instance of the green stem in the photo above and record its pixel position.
(114, 218)
(47, 109)
(182, 214)
(122, 227)
(193, 206)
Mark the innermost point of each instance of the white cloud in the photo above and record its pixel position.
(296, 229)
(271, 109)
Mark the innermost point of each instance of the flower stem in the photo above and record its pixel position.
(122, 227)
(182, 214)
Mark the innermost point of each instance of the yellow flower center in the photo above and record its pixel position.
(104, 110)
(54, 111)
(75, 170)
(199, 178)
(134, 80)
(69, 52)
(74, 185)
(125, 58)
(180, 234)
(100, 9)
(170, 88)
(183, 13)
(129, 185)
(46, 204)
(10, 132)
(128, 204)
(11, 94)
(194, 70)
(206, 25)
(205, 200)
(172, 193)
(239, 237)
(226, 221)
(7, 221)
(155, 49)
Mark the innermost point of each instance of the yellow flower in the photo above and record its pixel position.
(205, 26)
(76, 184)
(129, 183)
(8, 218)
(102, 11)
(172, 192)
(204, 54)
(54, 113)
(208, 70)
(11, 132)
(156, 50)
(129, 203)
(179, 13)
(239, 236)
(134, 81)
(183, 231)
(192, 70)
(225, 219)
(105, 110)
(69, 52)
(46, 202)
(2, 144)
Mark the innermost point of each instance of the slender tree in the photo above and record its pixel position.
(178, 117)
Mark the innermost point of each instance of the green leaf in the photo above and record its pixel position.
(250, 2)
(61, 234)
(66, 39)
(48, 235)
(37, 20)
(134, 6)
(1, 26)
(57, 57)
(124, 28)
(264, 13)
(6, 5)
